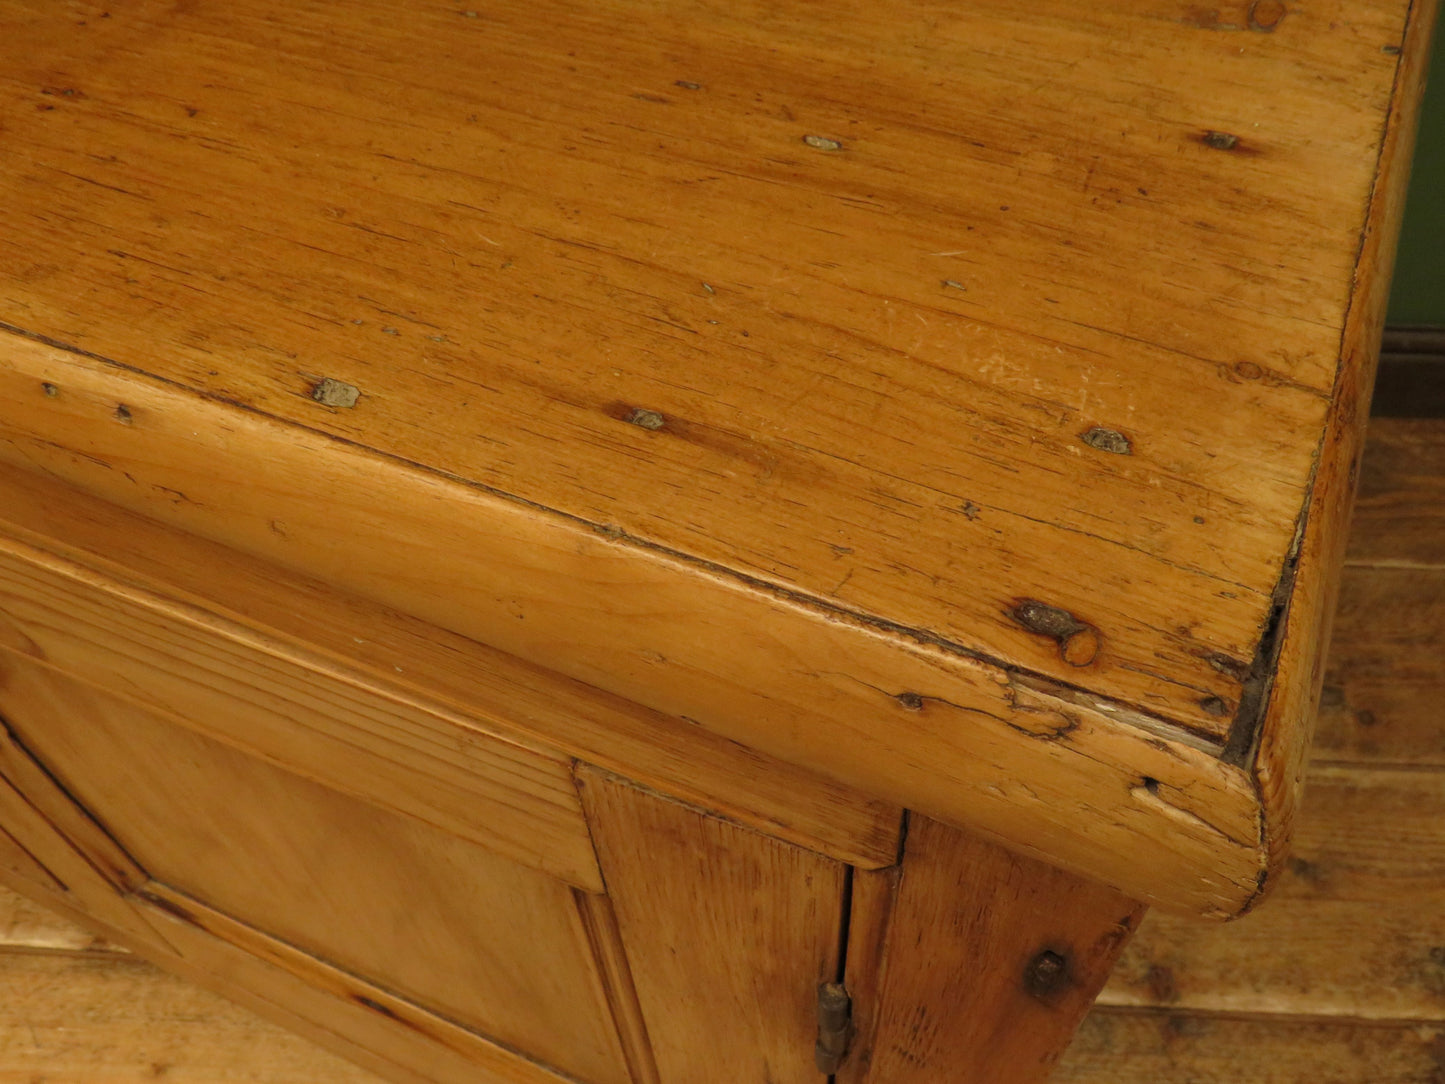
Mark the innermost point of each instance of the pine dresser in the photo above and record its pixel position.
(671, 541)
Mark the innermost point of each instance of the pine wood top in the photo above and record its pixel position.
(1004, 336)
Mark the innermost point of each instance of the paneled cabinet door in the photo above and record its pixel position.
(437, 921)
(701, 963)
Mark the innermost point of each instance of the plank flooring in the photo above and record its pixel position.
(1338, 979)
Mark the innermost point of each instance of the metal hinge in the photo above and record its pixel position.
(835, 1027)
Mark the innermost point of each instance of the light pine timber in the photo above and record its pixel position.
(728, 933)
(1057, 773)
(295, 711)
(966, 1010)
(362, 1023)
(1281, 741)
(28, 926)
(613, 183)
(361, 1020)
(854, 282)
(438, 920)
(1353, 931)
(872, 895)
(148, 566)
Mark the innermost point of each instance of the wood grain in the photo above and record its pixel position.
(291, 709)
(981, 1005)
(405, 1043)
(297, 992)
(117, 1021)
(433, 918)
(728, 933)
(872, 895)
(27, 926)
(1353, 929)
(1278, 745)
(634, 194)
(1120, 1047)
(498, 693)
(908, 721)
(1399, 517)
(1385, 680)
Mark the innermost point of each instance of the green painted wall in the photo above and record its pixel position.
(1417, 295)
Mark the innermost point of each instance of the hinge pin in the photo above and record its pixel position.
(835, 1027)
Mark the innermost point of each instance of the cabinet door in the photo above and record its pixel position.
(729, 934)
(440, 921)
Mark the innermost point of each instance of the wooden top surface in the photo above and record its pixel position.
(1006, 331)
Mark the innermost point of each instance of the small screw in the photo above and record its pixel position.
(1046, 974)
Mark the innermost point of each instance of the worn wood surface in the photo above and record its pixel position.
(494, 692)
(434, 918)
(1051, 769)
(1384, 690)
(110, 1021)
(613, 183)
(1291, 672)
(1340, 977)
(1385, 684)
(729, 934)
(1399, 518)
(1359, 916)
(1016, 953)
(1125, 1047)
(82, 1010)
(568, 324)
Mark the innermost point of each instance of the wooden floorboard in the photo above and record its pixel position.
(1119, 1046)
(1338, 979)
(76, 1012)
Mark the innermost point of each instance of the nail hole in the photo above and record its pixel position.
(50, 389)
(911, 701)
(122, 414)
(822, 143)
